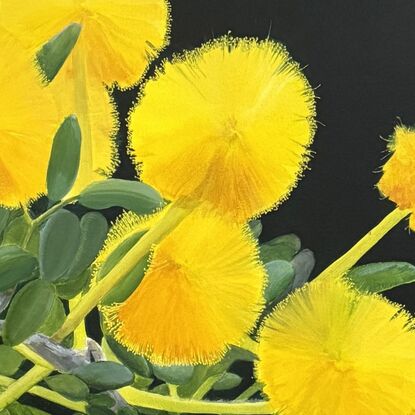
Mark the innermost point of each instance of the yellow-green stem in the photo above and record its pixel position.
(350, 258)
(80, 336)
(49, 395)
(191, 406)
(206, 386)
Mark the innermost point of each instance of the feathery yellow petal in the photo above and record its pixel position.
(398, 178)
(28, 122)
(228, 123)
(201, 293)
(329, 350)
(120, 36)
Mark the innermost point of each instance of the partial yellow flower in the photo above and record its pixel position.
(118, 37)
(28, 122)
(329, 350)
(397, 181)
(228, 123)
(201, 293)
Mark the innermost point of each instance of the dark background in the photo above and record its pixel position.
(361, 57)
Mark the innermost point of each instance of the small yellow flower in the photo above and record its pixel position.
(329, 350)
(28, 122)
(228, 123)
(118, 37)
(201, 293)
(397, 181)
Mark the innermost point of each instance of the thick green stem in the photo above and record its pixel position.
(206, 386)
(350, 258)
(48, 395)
(247, 393)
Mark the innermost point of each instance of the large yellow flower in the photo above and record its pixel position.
(28, 122)
(228, 123)
(397, 182)
(329, 350)
(117, 40)
(201, 293)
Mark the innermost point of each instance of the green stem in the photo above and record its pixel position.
(191, 406)
(206, 386)
(246, 394)
(339, 267)
(40, 219)
(49, 395)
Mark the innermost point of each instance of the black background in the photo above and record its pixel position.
(360, 55)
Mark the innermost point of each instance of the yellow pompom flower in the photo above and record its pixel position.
(330, 350)
(201, 293)
(28, 122)
(397, 181)
(228, 123)
(118, 38)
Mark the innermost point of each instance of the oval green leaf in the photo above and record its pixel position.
(283, 248)
(381, 276)
(53, 54)
(130, 195)
(280, 280)
(10, 360)
(16, 265)
(64, 159)
(55, 318)
(104, 375)
(227, 381)
(28, 311)
(59, 242)
(176, 375)
(68, 385)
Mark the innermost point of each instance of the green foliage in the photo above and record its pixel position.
(227, 381)
(18, 409)
(64, 160)
(282, 248)
(281, 276)
(28, 311)
(381, 276)
(104, 376)
(176, 375)
(16, 266)
(15, 234)
(59, 241)
(256, 227)
(10, 360)
(55, 318)
(53, 54)
(69, 386)
(130, 195)
(4, 218)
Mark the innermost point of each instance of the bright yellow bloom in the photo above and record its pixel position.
(329, 350)
(228, 123)
(117, 40)
(201, 293)
(397, 182)
(28, 122)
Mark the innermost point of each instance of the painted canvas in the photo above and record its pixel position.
(207, 207)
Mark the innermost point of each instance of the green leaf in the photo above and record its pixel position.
(28, 311)
(131, 281)
(162, 389)
(283, 247)
(127, 410)
(10, 360)
(382, 276)
(256, 227)
(59, 242)
(64, 159)
(136, 363)
(104, 375)
(227, 381)
(176, 375)
(130, 195)
(280, 279)
(98, 410)
(70, 288)
(69, 386)
(94, 229)
(4, 218)
(102, 399)
(18, 409)
(15, 233)
(303, 264)
(54, 53)
(16, 265)
(55, 318)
